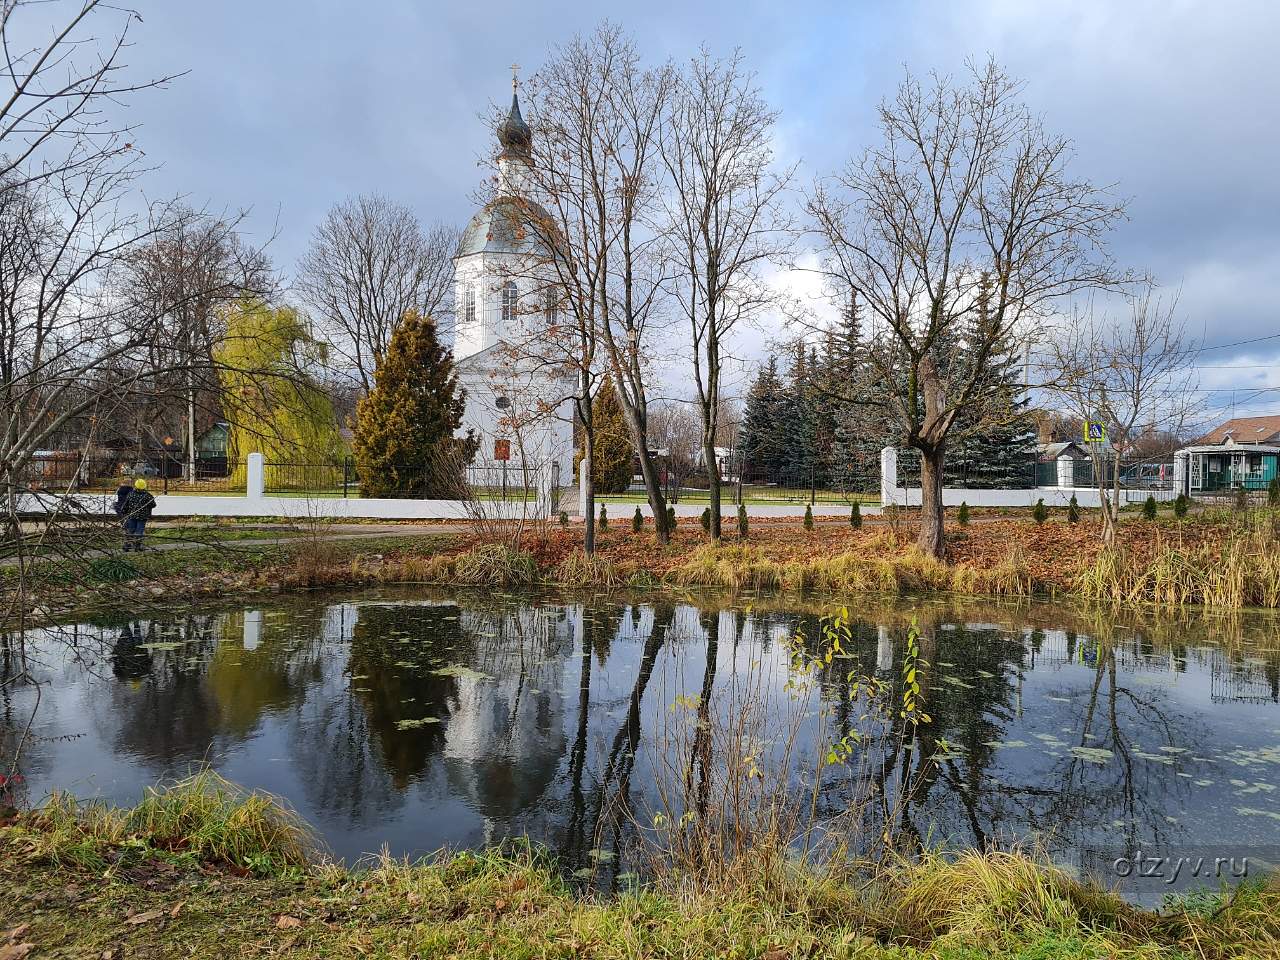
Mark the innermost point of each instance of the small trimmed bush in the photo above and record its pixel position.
(742, 522)
(1181, 505)
(705, 519)
(1073, 510)
(564, 520)
(637, 521)
(1149, 507)
(604, 518)
(808, 517)
(963, 514)
(671, 519)
(1040, 513)
(855, 516)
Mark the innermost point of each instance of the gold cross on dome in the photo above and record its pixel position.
(515, 79)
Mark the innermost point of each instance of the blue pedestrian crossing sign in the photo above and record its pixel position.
(1094, 432)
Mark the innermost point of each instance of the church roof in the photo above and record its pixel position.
(504, 225)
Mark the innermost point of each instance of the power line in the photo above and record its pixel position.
(1239, 343)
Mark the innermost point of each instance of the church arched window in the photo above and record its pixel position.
(550, 310)
(469, 305)
(510, 297)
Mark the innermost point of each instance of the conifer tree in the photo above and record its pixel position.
(612, 459)
(406, 442)
(994, 439)
(763, 443)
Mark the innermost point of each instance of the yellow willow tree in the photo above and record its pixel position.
(273, 405)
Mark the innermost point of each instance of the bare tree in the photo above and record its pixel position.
(368, 264)
(964, 181)
(56, 113)
(727, 223)
(1135, 378)
(184, 278)
(597, 115)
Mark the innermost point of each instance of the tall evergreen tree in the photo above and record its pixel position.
(763, 441)
(612, 459)
(994, 438)
(406, 443)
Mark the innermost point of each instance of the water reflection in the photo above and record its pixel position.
(424, 720)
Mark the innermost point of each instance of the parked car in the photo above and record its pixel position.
(1148, 476)
(142, 469)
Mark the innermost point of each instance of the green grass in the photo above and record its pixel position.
(202, 870)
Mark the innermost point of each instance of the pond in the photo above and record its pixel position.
(414, 720)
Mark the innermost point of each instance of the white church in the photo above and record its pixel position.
(521, 409)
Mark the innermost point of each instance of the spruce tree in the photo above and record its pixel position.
(405, 428)
(962, 516)
(855, 516)
(763, 442)
(1180, 506)
(604, 518)
(1149, 508)
(1040, 513)
(994, 439)
(1073, 510)
(612, 458)
(808, 517)
(637, 521)
(705, 520)
(1273, 492)
(742, 522)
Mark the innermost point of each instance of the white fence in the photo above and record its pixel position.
(1055, 496)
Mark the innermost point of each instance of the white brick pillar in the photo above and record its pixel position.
(889, 476)
(582, 489)
(255, 476)
(1180, 472)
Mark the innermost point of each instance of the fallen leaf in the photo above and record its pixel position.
(777, 953)
(177, 908)
(499, 905)
(17, 932)
(286, 922)
(140, 918)
(16, 951)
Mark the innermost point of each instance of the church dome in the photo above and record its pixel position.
(503, 226)
(514, 134)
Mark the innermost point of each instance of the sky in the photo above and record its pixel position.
(289, 106)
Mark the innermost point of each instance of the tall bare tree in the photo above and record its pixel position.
(965, 180)
(595, 182)
(368, 264)
(1134, 377)
(727, 222)
(185, 277)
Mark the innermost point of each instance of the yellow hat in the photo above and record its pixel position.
(140, 483)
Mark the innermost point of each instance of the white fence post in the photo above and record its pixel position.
(888, 476)
(255, 477)
(582, 488)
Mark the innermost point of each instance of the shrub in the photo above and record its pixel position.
(963, 514)
(637, 521)
(1073, 510)
(1273, 492)
(705, 519)
(604, 518)
(855, 516)
(808, 517)
(1149, 508)
(742, 522)
(564, 520)
(1040, 513)
(671, 519)
(1180, 506)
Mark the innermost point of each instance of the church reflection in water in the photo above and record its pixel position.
(422, 720)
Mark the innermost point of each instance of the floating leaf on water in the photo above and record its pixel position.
(1060, 699)
(1173, 749)
(415, 724)
(461, 671)
(1255, 812)
(1204, 783)
(586, 873)
(1092, 754)
(1002, 744)
(600, 856)
(159, 645)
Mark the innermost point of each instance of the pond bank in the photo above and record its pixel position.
(215, 873)
(1216, 558)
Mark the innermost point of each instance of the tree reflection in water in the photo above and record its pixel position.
(427, 718)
